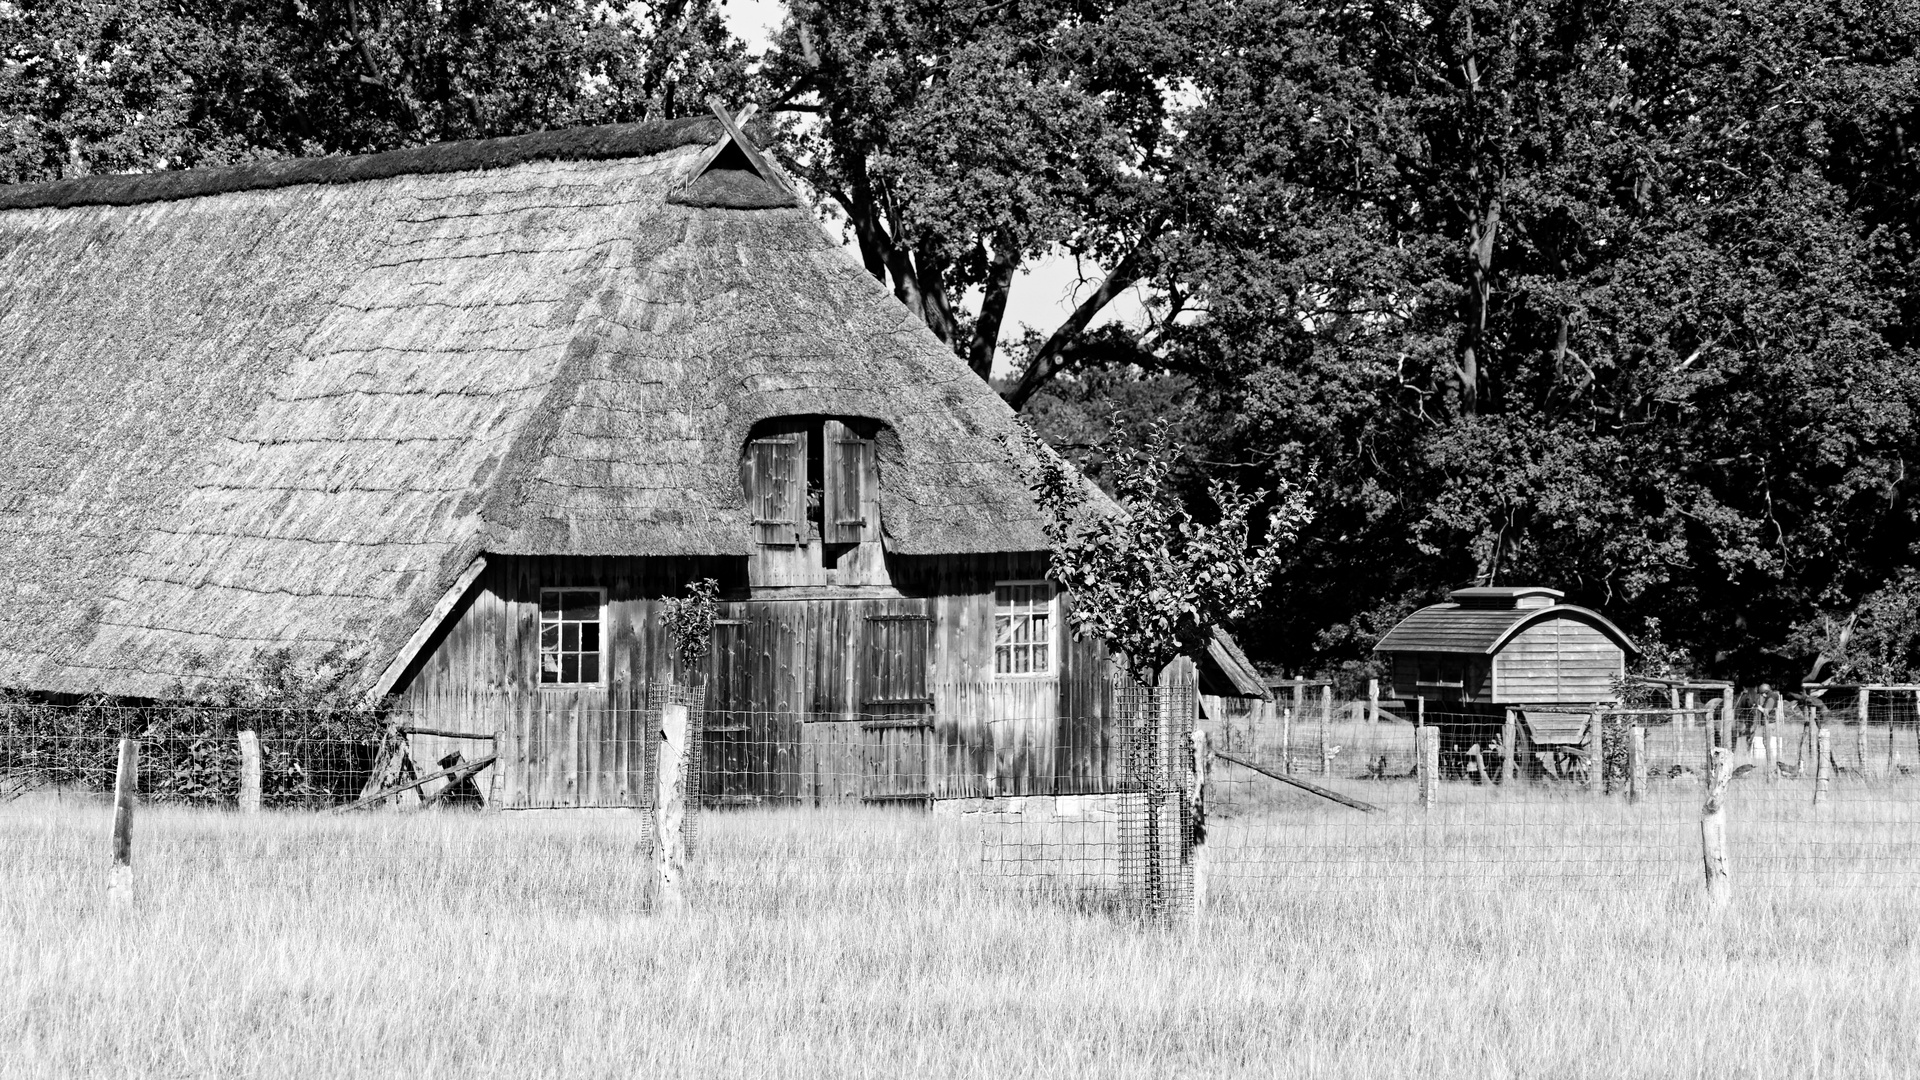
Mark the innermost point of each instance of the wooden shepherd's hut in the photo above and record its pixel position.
(458, 418)
(1505, 646)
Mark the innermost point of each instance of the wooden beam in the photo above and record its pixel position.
(464, 770)
(411, 650)
(438, 733)
(1311, 789)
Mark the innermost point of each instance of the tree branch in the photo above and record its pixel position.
(1046, 363)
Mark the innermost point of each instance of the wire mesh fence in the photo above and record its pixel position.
(1115, 809)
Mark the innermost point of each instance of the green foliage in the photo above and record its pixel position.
(317, 735)
(1145, 577)
(1620, 300)
(142, 85)
(689, 622)
(1878, 641)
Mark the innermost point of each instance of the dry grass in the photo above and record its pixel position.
(843, 943)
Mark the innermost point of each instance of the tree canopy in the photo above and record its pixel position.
(1617, 297)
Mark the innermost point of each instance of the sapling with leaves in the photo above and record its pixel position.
(1143, 574)
(689, 622)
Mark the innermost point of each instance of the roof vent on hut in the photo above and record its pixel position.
(1506, 599)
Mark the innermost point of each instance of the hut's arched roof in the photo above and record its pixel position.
(1459, 628)
(287, 404)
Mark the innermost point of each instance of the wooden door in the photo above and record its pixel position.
(897, 708)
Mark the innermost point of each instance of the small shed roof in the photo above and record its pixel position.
(1471, 627)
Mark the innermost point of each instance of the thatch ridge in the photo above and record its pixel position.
(568, 144)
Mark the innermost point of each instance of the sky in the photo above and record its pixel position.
(1043, 295)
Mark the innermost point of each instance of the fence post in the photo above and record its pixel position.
(1775, 718)
(1326, 722)
(496, 782)
(1713, 830)
(670, 792)
(1197, 801)
(1726, 717)
(1866, 771)
(249, 771)
(1299, 716)
(1596, 751)
(125, 779)
(1636, 762)
(1509, 737)
(1822, 758)
(1426, 745)
(1287, 714)
(1373, 702)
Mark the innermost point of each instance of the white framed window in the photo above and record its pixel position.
(571, 641)
(1023, 628)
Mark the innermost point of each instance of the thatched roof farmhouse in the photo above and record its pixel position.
(463, 415)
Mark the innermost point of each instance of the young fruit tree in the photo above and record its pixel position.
(689, 623)
(1141, 573)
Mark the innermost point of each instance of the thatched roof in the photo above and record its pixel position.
(287, 405)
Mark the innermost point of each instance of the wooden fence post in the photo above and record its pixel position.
(1287, 714)
(126, 779)
(1713, 830)
(1726, 717)
(249, 771)
(1509, 738)
(1866, 770)
(1326, 723)
(1822, 758)
(1596, 752)
(1197, 800)
(1636, 762)
(670, 793)
(1426, 745)
(1776, 718)
(496, 781)
(1299, 716)
(1373, 702)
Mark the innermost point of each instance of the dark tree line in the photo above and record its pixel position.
(1619, 297)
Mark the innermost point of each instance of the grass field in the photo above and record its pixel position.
(867, 943)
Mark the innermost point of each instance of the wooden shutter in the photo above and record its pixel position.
(849, 485)
(774, 474)
(896, 662)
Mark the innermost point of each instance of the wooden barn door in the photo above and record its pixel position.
(897, 708)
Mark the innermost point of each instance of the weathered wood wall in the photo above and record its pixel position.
(1563, 661)
(822, 695)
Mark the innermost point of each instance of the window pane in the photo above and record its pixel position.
(1040, 662)
(1002, 595)
(570, 637)
(549, 603)
(1041, 630)
(569, 668)
(1002, 630)
(549, 667)
(1022, 660)
(1000, 659)
(590, 668)
(583, 607)
(590, 637)
(550, 635)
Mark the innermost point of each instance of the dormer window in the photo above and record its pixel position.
(810, 479)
